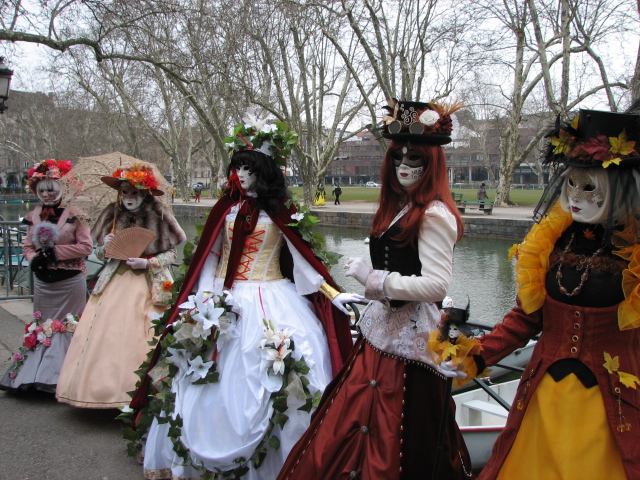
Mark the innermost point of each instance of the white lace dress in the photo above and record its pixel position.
(226, 420)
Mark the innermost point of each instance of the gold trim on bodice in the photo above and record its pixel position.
(260, 260)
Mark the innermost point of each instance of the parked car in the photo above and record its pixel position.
(372, 184)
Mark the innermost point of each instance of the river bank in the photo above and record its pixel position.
(504, 222)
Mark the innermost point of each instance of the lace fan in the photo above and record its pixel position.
(129, 243)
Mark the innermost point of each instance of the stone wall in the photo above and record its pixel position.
(190, 210)
(476, 226)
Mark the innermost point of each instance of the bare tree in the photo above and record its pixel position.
(537, 43)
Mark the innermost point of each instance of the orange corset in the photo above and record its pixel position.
(260, 261)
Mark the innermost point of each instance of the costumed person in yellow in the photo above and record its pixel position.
(57, 241)
(577, 409)
(110, 342)
(320, 196)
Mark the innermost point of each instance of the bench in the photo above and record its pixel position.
(457, 197)
(485, 206)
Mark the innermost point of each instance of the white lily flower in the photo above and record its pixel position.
(32, 327)
(297, 216)
(179, 357)
(277, 357)
(194, 301)
(227, 331)
(270, 128)
(200, 332)
(199, 368)
(251, 119)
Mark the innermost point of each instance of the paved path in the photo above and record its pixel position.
(46, 440)
(516, 212)
(42, 439)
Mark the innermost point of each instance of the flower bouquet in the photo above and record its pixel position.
(45, 235)
(41, 333)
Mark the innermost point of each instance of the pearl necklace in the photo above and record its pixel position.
(586, 264)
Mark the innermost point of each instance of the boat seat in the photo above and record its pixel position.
(486, 407)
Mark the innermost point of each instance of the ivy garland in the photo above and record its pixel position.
(161, 404)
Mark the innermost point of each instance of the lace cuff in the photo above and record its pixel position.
(374, 288)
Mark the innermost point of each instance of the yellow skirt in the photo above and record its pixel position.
(564, 435)
(109, 345)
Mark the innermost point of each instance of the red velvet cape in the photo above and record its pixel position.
(335, 323)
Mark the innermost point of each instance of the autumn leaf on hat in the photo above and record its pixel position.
(620, 145)
(599, 148)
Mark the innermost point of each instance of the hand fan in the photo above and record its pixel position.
(129, 243)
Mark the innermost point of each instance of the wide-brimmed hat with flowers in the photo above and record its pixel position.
(139, 176)
(51, 169)
(419, 122)
(595, 138)
(273, 139)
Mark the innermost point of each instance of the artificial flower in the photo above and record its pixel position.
(199, 368)
(16, 357)
(606, 163)
(166, 286)
(620, 145)
(599, 148)
(562, 143)
(429, 117)
(297, 216)
(37, 315)
(179, 357)
(30, 341)
(277, 356)
(589, 234)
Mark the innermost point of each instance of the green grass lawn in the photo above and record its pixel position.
(365, 194)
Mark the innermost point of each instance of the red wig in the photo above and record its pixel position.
(432, 185)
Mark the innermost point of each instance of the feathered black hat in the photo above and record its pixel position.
(419, 122)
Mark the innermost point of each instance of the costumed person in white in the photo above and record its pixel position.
(112, 339)
(57, 241)
(244, 378)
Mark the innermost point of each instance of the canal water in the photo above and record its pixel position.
(482, 272)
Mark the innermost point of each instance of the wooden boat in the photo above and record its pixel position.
(481, 418)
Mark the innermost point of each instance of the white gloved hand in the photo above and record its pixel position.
(107, 239)
(137, 263)
(341, 299)
(448, 369)
(358, 269)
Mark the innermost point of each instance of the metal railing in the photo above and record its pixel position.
(15, 273)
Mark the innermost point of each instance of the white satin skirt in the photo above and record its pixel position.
(226, 420)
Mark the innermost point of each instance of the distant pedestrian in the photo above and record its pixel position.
(320, 195)
(337, 191)
(482, 195)
(197, 191)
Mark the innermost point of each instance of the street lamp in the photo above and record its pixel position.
(5, 81)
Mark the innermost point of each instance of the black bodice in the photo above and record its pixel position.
(603, 287)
